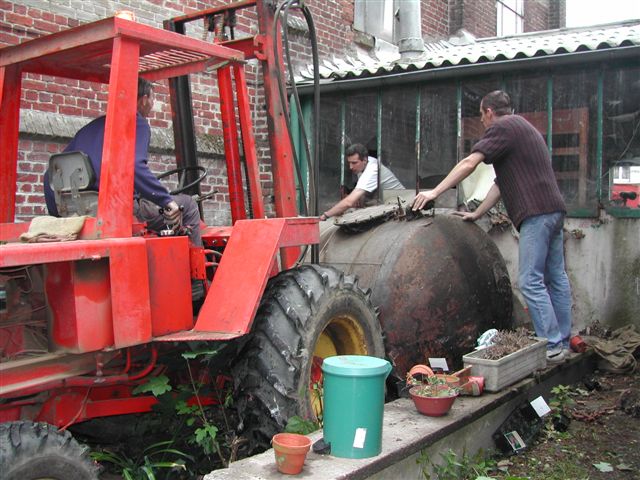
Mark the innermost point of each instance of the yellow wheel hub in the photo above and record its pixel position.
(342, 336)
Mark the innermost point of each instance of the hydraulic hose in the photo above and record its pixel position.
(312, 157)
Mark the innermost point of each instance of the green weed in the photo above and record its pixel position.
(455, 467)
(145, 465)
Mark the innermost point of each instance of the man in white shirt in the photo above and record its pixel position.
(366, 168)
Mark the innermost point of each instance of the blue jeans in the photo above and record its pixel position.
(542, 278)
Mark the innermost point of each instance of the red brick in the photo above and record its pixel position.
(45, 26)
(35, 13)
(8, 38)
(18, 19)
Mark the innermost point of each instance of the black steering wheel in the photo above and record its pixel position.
(181, 172)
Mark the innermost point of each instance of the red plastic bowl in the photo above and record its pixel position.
(432, 406)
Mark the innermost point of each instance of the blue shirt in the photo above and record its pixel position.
(90, 140)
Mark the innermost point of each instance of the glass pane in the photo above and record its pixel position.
(621, 138)
(472, 129)
(360, 120)
(399, 133)
(375, 18)
(479, 182)
(499, 22)
(529, 95)
(387, 21)
(574, 139)
(529, 99)
(330, 155)
(438, 133)
(509, 19)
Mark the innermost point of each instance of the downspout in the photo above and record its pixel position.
(408, 23)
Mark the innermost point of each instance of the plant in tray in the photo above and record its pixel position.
(506, 342)
(512, 356)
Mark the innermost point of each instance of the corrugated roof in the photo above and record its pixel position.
(444, 53)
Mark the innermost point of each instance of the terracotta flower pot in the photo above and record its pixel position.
(451, 380)
(432, 406)
(290, 451)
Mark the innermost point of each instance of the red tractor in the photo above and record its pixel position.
(110, 303)
(84, 322)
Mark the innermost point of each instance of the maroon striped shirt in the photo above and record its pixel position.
(524, 174)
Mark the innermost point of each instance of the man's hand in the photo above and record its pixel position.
(422, 199)
(467, 216)
(172, 213)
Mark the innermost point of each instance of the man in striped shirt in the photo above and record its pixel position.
(527, 185)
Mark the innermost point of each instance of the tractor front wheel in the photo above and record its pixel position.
(39, 451)
(307, 314)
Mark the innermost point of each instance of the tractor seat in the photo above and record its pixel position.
(70, 176)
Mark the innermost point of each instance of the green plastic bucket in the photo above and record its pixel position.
(354, 404)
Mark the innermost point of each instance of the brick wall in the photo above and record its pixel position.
(435, 18)
(536, 15)
(476, 16)
(70, 99)
(557, 13)
(479, 16)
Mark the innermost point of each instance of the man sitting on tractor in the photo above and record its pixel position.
(152, 204)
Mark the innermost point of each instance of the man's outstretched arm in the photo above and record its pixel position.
(350, 201)
(493, 195)
(458, 173)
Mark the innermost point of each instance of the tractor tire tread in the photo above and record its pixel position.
(32, 450)
(272, 372)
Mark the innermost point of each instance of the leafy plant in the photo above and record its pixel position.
(433, 386)
(144, 466)
(300, 425)
(455, 467)
(182, 411)
(561, 401)
(303, 426)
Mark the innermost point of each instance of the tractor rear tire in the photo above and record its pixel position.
(32, 451)
(306, 313)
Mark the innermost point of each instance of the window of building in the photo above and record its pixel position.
(331, 172)
(398, 132)
(510, 15)
(621, 140)
(374, 18)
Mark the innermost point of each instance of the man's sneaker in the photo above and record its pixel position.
(556, 355)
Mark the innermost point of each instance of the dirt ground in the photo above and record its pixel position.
(602, 440)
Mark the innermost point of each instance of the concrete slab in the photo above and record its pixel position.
(408, 438)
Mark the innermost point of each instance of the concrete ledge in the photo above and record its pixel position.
(407, 435)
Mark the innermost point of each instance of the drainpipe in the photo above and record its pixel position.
(408, 28)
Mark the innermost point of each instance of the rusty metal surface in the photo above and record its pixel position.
(365, 215)
(439, 282)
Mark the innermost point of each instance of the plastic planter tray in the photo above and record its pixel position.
(508, 370)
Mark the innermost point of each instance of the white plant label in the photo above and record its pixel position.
(515, 440)
(439, 363)
(540, 406)
(359, 438)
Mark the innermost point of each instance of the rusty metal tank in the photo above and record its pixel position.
(439, 283)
